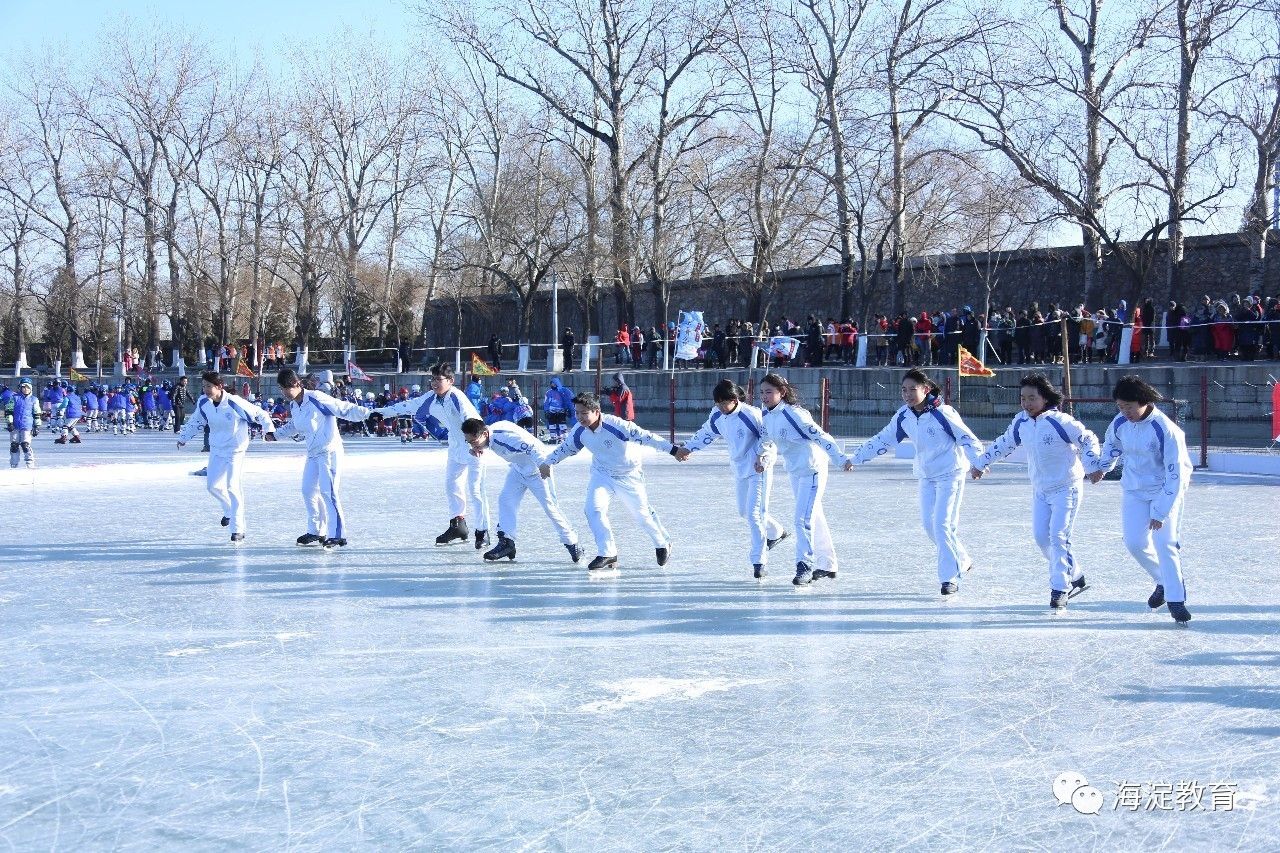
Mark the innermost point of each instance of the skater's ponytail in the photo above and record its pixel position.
(785, 388)
(726, 390)
(921, 378)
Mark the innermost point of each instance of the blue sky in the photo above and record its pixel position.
(240, 27)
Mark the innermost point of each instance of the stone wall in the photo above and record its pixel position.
(1216, 264)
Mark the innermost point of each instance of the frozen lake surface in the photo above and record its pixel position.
(164, 690)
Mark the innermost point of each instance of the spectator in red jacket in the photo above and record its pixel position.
(624, 405)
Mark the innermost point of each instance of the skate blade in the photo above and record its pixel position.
(449, 544)
(968, 568)
(603, 574)
(1076, 591)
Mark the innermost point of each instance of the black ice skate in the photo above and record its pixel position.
(60, 440)
(225, 522)
(332, 542)
(769, 543)
(602, 564)
(306, 540)
(482, 539)
(1058, 601)
(1156, 599)
(237, 538)
(950, 588)
(457, 532)
(804, 574)
(505, 548)
(1078, 586)
(759, 570)
(1178, 610)
(75, 439)
(664, 554)
(575, 551)
(821, 574)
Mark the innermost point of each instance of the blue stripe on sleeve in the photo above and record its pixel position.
(799, 431)
(751, 426)
(613, 429)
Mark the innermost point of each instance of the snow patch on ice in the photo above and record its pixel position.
(635, 690)
(187, 652)
(293, 635)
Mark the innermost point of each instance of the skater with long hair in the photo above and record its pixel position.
(790, 432)
(1059, 450)
(1157, 472)
(942, 444)
(741, 426)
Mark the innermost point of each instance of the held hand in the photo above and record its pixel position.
(544, 471)
(976, 473)
(1096, 476)
(848, 465)
(683, 453)
(1156, 525)
(759, 467)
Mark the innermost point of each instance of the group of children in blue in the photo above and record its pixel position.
(65, 408)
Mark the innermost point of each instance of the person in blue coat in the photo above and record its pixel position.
(91, 409)
(71, 412)
(557, 405)
(22, 418)
(149, 416)
(475, 392)
(164, 406)
(130, 411)
(116, 410)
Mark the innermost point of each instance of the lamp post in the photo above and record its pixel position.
(554, 356)
(119, 368)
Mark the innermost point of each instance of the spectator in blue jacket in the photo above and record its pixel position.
(557, 405)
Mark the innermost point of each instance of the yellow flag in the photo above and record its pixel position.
(971, 366)
(480, 367)
(77, 376)
(243, 369)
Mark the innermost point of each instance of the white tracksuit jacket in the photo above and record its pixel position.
(942, 441)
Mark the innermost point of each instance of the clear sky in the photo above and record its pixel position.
(240, 27)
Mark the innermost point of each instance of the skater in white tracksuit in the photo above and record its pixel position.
(1059, 450)
(1157, 472)
(790, 432)
(942, 444)
(615, 472)
(463, 473)
(228, 418)
(742, 428)
(313, 416)
(524, 454)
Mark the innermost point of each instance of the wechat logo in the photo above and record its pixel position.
(1071, 787)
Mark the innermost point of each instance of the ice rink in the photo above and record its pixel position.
(165, 690)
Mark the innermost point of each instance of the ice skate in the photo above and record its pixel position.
(331, 543)
(1058, 600)
(75, 439)
(664, 554)
(1178, 610)
(771, 542)
(823, 574)
(457, 532)
(758, 570)
(482, 539)
(1078, 586)
(575, 551)
(307, 540)
(237, 538)
(950, 588)
(602, 564)
(62, 439)
(1156, 599)
(804, 574)
(505, 548)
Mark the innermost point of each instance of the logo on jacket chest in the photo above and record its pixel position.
(1153, 447)
(608, 442)
(1047, 440)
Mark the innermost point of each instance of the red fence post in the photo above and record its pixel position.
(751, 391)
(1204, 419)
(533, 404)
(673, 410)
(825, 385)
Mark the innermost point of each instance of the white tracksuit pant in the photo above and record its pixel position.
(224, 484)
(1053, 516)
(544, 492)
(464, 488)
(1155, 550)
(940, 514)
(320, 477)
(753, 506)
(630, 489)
(813, 537)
